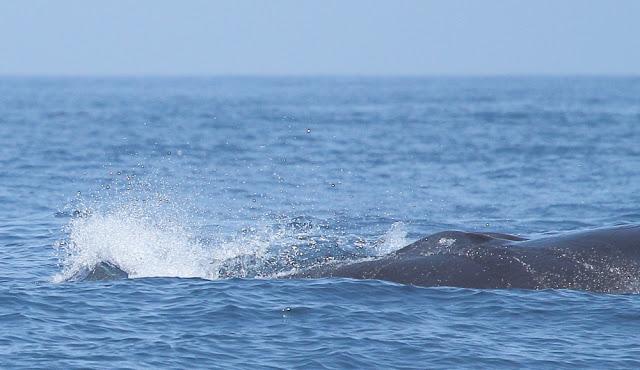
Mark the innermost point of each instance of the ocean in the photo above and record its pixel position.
(207, 191)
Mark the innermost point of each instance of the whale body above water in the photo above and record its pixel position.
(600, 260)
(603, 260)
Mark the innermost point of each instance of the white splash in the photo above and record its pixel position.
(394, 239)
(153, 237)
(138, 243)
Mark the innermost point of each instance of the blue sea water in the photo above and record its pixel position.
(205, 190)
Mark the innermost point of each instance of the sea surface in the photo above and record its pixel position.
(206, 190)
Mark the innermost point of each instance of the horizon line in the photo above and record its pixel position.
(320, 75)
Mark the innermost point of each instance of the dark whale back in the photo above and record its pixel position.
(624, 240)
(101, 271)
(451, 241)
(603, 260)
(449, 258)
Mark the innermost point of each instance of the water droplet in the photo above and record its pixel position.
(308, 131)
(333, 185)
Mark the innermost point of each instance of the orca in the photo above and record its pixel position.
(600, 260)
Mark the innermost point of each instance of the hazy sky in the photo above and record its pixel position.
(404, 37)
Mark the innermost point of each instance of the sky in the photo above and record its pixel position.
(349, 37)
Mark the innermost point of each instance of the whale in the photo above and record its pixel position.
(603, 260)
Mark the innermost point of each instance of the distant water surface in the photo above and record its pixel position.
(205, 189)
